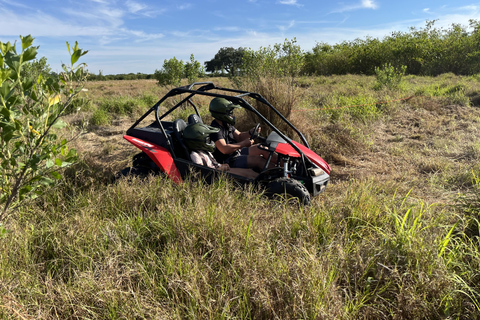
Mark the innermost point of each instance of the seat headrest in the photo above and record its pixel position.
(179, 125)
(194, 118)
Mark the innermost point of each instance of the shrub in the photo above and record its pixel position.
(271, 72)
(389, 76)
(31, 105)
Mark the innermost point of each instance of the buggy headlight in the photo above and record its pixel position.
(316, 172)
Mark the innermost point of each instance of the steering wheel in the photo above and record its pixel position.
(254, 135)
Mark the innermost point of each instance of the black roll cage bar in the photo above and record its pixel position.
(237, 99)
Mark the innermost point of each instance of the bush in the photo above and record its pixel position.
(271, 72)
(31, 104)
(389, 77)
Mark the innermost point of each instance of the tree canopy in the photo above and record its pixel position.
(227, 60)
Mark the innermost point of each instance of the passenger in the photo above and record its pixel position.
(232, 146)
(197, 138)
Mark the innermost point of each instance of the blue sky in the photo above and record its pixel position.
(125, 36)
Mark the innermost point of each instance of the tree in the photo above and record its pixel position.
(31, 105)
(171, 73)
(227, 59)
(193, 69)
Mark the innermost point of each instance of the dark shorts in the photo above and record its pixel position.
(239, 160)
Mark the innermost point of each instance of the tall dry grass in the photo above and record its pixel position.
(387, 240)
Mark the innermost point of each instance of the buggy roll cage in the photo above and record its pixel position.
(236, 99)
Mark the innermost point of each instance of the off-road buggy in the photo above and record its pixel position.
(300, 172)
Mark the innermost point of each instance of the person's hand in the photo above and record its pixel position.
(252, 130)
(224, 167)
(247, 142)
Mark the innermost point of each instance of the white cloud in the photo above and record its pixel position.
(289, 2)
(471, 8)
(364, 4)
(134, 7)
(140, 36)
(369, 4)
(228, 29)
(184, 6)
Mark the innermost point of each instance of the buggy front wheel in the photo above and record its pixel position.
(290, 188)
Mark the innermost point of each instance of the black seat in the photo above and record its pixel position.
(180, 149)
(194, 118)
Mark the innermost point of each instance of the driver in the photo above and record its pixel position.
(233, 147)
(197, 138)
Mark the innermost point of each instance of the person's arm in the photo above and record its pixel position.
(240, 136)
(225, 148)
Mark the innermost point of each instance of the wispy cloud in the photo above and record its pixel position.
(290, 2)
(228, 29)
(364, 4)
(284, 28)
(13, 4)
(184, 6)
(134, 7)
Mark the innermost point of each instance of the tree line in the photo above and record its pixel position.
(425, 51)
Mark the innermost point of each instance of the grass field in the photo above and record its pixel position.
(394, 236)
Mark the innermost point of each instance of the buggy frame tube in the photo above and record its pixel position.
(250, 108)
(204, 90)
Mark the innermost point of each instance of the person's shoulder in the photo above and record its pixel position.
(215, 124)
(196, 157)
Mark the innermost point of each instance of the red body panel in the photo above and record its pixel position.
(287, 149)
(161, 156)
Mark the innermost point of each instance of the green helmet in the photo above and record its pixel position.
(197, 137)
(222, 109)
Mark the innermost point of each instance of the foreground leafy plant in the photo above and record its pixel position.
(30, 111)
(388, 76)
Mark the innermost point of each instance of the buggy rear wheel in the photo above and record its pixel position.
(140, 172)
(290, 188)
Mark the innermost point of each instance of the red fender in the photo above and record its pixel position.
(161, 156)
(287, 149)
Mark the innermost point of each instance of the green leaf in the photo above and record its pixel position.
(5, 90)
(56, 175)
(6, 47)
(4, 75)
(3, 231)
(58, 162)
(75, 56)
(30, 54)
(66, 164)
(27, 84)
(45, 181)
(13, 61)
(6, 114)
(59, 124)
(23, 191)
(49, 163)
(8, 132)
(26, 41)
